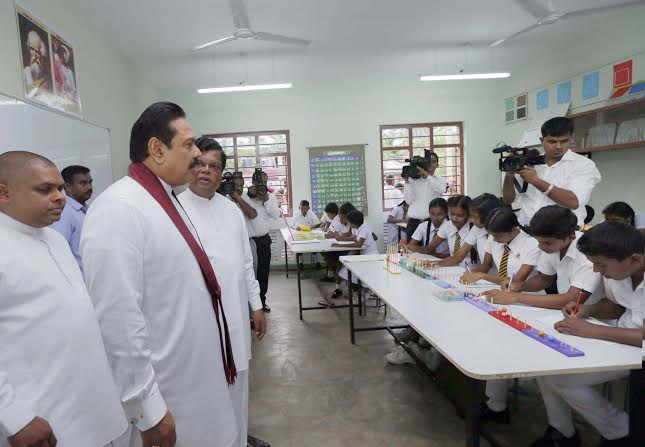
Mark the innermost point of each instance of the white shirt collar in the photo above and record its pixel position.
(166, 186)
(517, 242)
(74, 203)
(199, 198)
(573, 249)
(13, 224)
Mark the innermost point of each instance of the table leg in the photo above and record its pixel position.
(473, 411)
(286, 259)
(637, 406)
(299, 286)
(351, 308)
(361, 303)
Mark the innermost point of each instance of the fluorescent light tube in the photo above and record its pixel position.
(244, 88)
(459, 77)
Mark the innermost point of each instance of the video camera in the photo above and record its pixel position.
(517, 157)
(228, 183)
(259, 189)
(416, 162)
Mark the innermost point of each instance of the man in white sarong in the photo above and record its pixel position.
(55, 381)
(157, 297)
(222, 229)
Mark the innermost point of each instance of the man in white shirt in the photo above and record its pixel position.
(157, 296)
(420, 191)
(222, 230)
(566, 178)
(554, 227)
(55, 381)
(616, 251)
(78, 189)
(305, 217)
(266, 208)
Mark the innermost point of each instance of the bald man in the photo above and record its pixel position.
(55, 381)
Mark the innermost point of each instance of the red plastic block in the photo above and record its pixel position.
(511, 321)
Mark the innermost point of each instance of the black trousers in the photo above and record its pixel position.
(263, 252)
(412, 227)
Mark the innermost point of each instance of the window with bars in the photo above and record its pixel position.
(403, 141)
(246, 151)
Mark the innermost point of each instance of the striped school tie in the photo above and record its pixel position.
(503, 265)
(457, 242)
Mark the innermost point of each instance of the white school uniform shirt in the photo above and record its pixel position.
(574, 269)
(523, 251)
(52, 358)
(448, 231)
(478, 238)
(633, 300)
(220, 225)
(309, 220)
(393, 229)
(573, 172)
(156, 316)
(267, 211)
(421, 232)
(420, 192)
(639, 220)
(369, 243)
(338, 227)
(392, 196)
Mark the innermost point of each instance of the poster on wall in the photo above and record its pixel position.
(516, 108)
(47, 65)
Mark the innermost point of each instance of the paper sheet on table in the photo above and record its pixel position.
(554, 317)
(343, 242)
(363, 258)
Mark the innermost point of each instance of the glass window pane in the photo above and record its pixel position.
(395, 133)
(246, 151)
(421, 142)
(276, 160)
(273, 139)
(420, 131)
(396, 142)
(273, 148)
(246, 162)
(229, 150)
(445, 139)
(230, 164)
(445, 130)
(400, 154)
(246, 141)
(224, 141)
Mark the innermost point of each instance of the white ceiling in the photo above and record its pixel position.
(390, 38)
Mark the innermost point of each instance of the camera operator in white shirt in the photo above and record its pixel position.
(420, 191)
(566, 178)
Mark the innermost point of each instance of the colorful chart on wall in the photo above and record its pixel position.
(542, 99)
(564, 92)
(516, 108)
(590, 85)
(338, 175)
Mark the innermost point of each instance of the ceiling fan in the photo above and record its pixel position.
(243, 30)
(546, 14)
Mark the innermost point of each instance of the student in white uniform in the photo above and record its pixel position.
(474, 245)
(55, 381)
(622, 212)
(305, 216)
(454, 231)
(566, 178)
(339, 230)
(428, 229)
(331, 260)
(157, 296)
(554, 227)
(331, 211)
(616, 251)
(398, 214)
(223, 233)
(513, 255)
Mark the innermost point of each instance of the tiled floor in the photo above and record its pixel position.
(311, 387)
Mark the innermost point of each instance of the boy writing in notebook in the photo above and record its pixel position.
(554, 227)
(616, 251)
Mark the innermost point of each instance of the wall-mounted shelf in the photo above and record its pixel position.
(615, 127)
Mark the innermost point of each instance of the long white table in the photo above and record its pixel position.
(299, 248)
(478, 345)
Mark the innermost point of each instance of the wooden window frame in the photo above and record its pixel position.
(259, 156)
(410, 148)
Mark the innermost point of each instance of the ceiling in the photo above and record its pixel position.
(350, 37)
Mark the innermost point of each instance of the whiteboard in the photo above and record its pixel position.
(63, 139)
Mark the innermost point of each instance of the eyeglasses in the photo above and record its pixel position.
(198, 164)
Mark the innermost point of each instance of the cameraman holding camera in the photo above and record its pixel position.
(422, 188)
(565, 178)
(266, 209)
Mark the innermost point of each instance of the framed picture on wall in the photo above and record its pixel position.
(48, 65)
